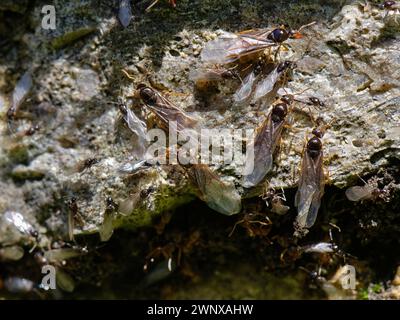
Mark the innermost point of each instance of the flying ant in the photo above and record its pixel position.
(107, 228)
(218, 195)
(165, 110)
(259, 162)
(233, 47)
(262, 80)
(208, 75)
(311, 183)
(370, 190)
(73, 216)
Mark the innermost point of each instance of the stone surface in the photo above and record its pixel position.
(349, 59)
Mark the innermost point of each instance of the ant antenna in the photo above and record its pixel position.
(361, 178)
(307, 25)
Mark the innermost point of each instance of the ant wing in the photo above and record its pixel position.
(64, 280)
(138, 128)
(168, 112)
(107, 228)
(230, 47)
(218, 195)
(55, 255)
(358, 193)
(245, 90)
(207, 74)
(136, 125)
(18, 221)
(260, 34)
(310, 191)
(21, 90)
(260, 163)
(266, 85)
(124, 12)
(321, 247)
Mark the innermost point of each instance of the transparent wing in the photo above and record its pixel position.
(12, 253)
(264, 145)
(64, 280)
(18, 285)
(266, 85)
(62, 254)
(167, 112)
(19, 222)
(358, 193)
(230, 47)
(137, 127)
(246, 88)
(260, 34)
(21, 90)
(219, 196)
(107, 229)
(206, 74)
(322, 247)
(133, 167)
(125, 12)
(310, 191)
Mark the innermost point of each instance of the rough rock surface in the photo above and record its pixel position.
(349, 59)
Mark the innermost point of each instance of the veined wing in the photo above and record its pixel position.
(266, 85)
(310, 191)
(246, 88)
(260, 163)
(358, 193)
(230, 47)
(210, 74)
(21, 89)
(260, 34)
(167, 112)
(218, 195)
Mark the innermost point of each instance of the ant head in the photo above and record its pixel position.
(318, 132)
(295, 34)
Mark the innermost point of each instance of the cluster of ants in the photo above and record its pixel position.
(252, 59)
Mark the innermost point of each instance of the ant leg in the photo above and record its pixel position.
(335, 226)
(283, 197)
(126, 73)
(330, 235)
(307, 25)
(234, 227)
(151, 5)
(313, 120)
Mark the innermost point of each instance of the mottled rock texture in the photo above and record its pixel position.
(349, 59)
